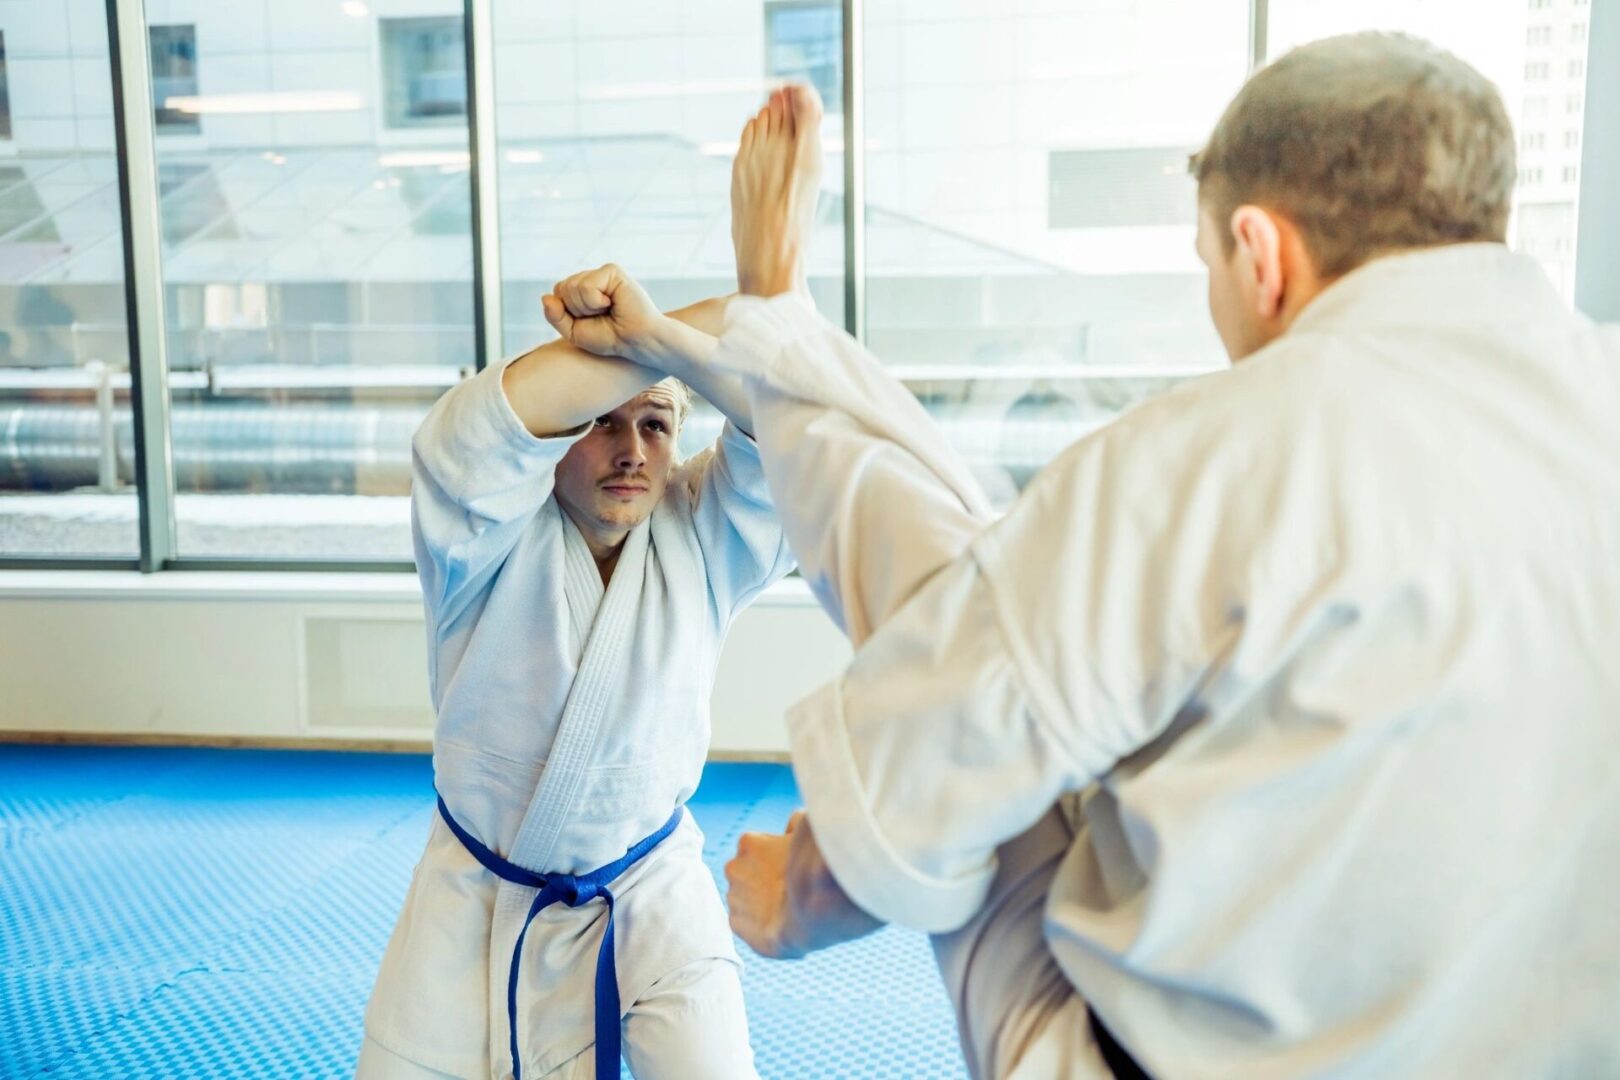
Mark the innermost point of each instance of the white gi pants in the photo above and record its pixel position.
(691, 1023)
(1018, 1015)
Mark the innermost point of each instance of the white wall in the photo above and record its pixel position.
(311, 656)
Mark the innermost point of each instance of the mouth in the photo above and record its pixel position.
(624, 490)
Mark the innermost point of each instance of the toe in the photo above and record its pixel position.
(785, 103)
(805, 106)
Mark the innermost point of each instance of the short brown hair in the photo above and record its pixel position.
(1369, 143)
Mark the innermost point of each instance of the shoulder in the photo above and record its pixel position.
(1239, 418)
(686, 481)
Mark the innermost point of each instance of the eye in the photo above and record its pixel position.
(604, 421)
(658, 426)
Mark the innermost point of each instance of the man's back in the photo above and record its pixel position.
(1368, 601)
(1327, 640)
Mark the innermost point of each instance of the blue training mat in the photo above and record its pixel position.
(221, 913)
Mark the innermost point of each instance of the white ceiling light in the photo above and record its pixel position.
(281, 102)
(410, 159)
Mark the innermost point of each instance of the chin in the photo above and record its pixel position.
(621, 516)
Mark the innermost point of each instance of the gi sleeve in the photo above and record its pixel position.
(925, 756)
(478, 477)
(744, 548)
(997, 667)
(872, 498)
(1066, 638)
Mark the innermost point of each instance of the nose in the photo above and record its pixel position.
(630, 455)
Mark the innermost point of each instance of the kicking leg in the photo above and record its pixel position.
(1016, 1011)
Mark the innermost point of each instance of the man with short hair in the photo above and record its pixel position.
(579, 582)
(1273, 731)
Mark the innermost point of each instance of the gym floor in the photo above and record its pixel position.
(221, 913)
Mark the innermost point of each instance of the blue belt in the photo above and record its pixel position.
(573, 891)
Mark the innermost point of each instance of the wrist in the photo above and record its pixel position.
(677, 349)
(661, 344)
(819, 913)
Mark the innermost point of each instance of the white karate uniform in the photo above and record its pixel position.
(1331, 641)
(572, 721)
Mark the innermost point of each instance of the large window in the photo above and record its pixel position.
(1532, 52)
(67, 447)
(1130, 188)
(1030, 266)
(1028, 270)
(318, 279)
(616, 140)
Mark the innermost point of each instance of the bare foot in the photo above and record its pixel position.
(775, 182)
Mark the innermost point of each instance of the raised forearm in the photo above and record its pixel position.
(684, 350)
(556, 387)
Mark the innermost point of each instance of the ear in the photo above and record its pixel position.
(1260, 248)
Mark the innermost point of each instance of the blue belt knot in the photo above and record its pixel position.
(574, 890)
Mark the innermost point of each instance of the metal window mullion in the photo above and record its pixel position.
(488, 331)
(1259, 19)
(1597, 203)
(135, 125)
(854, 171)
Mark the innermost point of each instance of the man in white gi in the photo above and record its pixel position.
(579, 582)
(1330, 642)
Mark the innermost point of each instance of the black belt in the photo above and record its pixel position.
(1117, 1058)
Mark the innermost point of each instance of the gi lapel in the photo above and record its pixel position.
(582, 585)
(603, 661)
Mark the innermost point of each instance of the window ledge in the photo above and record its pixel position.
(272, 586)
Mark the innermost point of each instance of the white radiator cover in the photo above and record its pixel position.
(289, 657)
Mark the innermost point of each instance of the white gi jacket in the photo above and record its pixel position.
(530, 662)
(1333, 637)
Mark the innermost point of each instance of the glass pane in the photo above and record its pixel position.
(1030, 220)
(317, 261)
(616, 138)
(67, 456)
(1535, 52)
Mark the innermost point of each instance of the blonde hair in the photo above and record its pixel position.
(683, 398)
(1369, 143)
